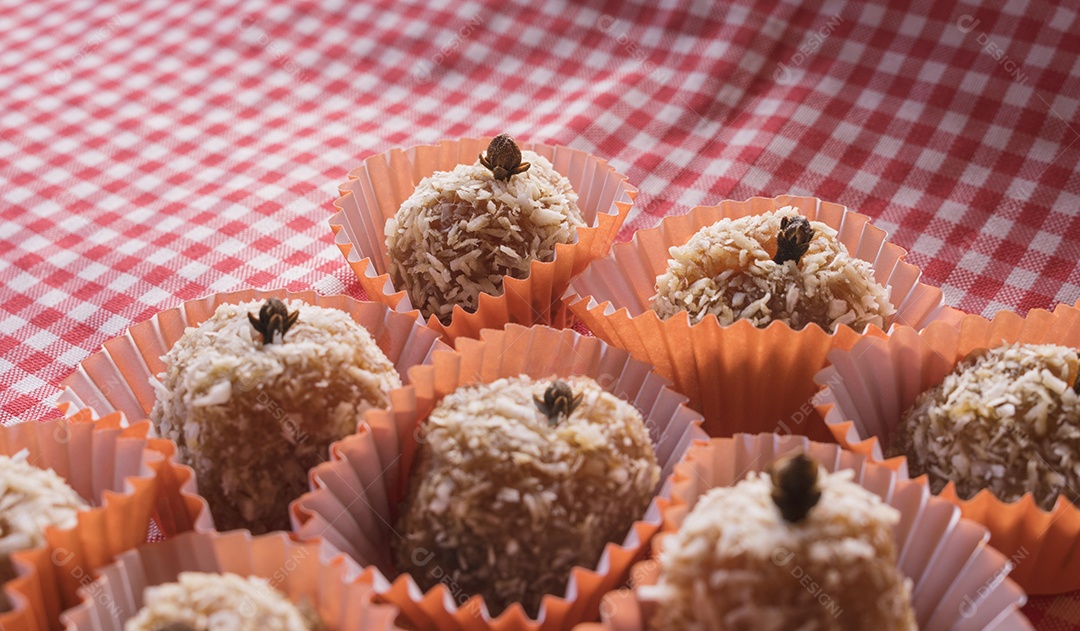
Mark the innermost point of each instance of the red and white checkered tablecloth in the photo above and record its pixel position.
(153, 151)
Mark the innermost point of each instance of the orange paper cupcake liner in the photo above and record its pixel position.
(867, 390)
(306, 573)
(119, 376)
(742, 378)
(355, 496)
(378, 187)
(959, 582)
(116, 468)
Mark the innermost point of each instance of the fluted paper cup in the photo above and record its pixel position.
(308, 574)
(355, 496)
(378, 187)
(959, 582)
(124, 477)
(118, 377)
(742, 378)
(865, 392)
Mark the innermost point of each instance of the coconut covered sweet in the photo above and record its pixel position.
(518, 481)
(1006, 419)
(766, 555)
(253, 403)
(31, 501)
(462, 231)
(769, 267)
(210, 602)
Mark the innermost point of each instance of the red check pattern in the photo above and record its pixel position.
(153, 151)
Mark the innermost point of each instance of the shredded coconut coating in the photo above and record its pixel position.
(727, 270)
(252, 419)
(461, 231)
(504, 505)
(217, 602)
(736, 565)
(31, 500)
(1008, 421)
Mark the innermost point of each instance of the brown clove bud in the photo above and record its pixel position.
(794, 238)
(795, 486)
(503, 158)
(274, 317)
(559, 400)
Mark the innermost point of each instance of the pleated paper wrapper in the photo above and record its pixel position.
(378, 187)
(959, 582)
(867, 390)
(119, 376)
(126, 477)
(377, 461)
(308, 574)
(742, 378)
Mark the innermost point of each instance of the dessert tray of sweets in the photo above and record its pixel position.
(750, 416)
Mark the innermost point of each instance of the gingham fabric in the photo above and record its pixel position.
(153, 151)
